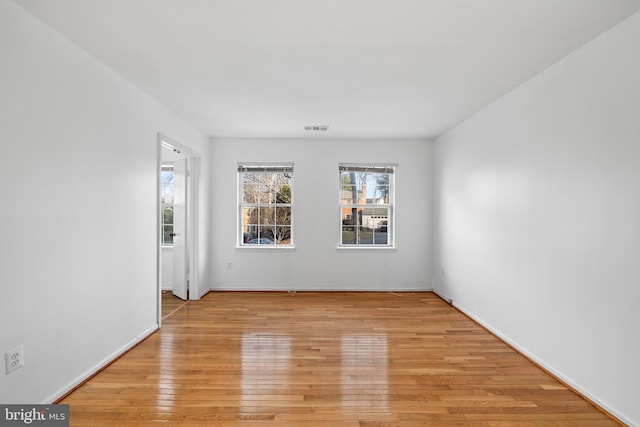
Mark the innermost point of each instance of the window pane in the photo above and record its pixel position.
(267, 215)
(283, 189)
(364, 188)
(250, 187)
(282, 235)
(266, 188)
(365, 236)
(370, 236)
(351, 216)
(267, 233)
(166, 177)
(381, 187)
(283, 215)
(166, 186)
(167, 215)
(380, 236)
(348, 194)
(283, 193)
(351, 187)
(167, 193)
(264, 236)
(250, 178)
(372, 217)
(249, 216)
(375, 225)
(381, 194)
(348, 235)
(266, 195)
(249, 232)
(250, 193)
(167, 238)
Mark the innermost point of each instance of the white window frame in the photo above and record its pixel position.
(263, 167)
(390, 205)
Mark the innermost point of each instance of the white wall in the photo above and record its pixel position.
(315, 263)
(78, 263)
(538, 218)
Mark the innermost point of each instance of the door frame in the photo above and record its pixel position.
(192, 218)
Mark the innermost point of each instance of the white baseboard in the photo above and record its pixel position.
(204, 292)
(314, 289)
(100, 365)
(443, 296)
(531, 356)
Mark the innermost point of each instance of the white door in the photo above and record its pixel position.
(180, 284)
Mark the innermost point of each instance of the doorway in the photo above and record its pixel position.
(178, 170)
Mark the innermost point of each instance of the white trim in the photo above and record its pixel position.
(260, 166)
(100, 365)
(391, 206)
(369, 165)
(193, 199)
(158, 235)
(443, 296)
(365, 248)
(314, 288)
(266, 247)
(240, 204)
(204, 292)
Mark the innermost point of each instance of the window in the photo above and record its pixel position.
(166, 200)
(265, 194)
(366, 203)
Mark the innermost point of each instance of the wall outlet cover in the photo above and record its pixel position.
(14, 359)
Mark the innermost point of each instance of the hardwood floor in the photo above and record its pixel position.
(325, 359)
(170, 303)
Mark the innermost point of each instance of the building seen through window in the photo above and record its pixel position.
(366, 202)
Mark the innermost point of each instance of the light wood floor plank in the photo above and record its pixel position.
(339, 359)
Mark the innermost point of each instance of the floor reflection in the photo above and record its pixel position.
(265, 367)
(166, 373)
(364, 378)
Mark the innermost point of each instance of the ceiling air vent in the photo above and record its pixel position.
(317, 128)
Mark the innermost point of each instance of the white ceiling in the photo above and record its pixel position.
(366, 68)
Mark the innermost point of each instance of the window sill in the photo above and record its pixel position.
(366, 248)
(267, 247)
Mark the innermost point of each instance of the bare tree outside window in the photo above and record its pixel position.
(266, 205)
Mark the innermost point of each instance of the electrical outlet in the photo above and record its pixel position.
(14, 359)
